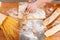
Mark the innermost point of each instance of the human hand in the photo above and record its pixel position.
(31, 7)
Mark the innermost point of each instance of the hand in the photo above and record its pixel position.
(31, 7)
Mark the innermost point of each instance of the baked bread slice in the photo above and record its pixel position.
(52, 17)
(52, 31)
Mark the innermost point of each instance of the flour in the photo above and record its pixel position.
(32, 24)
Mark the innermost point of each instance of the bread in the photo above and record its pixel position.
(52, 17)
(52, 31)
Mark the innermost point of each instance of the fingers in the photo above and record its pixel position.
(30, 9)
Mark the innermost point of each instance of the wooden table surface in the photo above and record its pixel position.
(8, 5)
